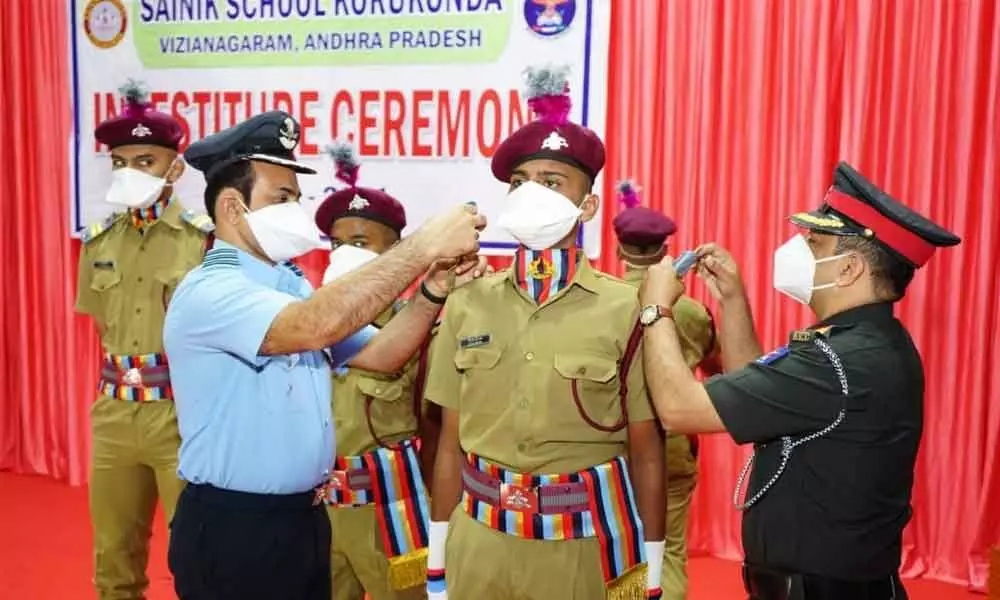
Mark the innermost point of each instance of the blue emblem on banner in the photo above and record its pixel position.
(773, 356)
(549, 17)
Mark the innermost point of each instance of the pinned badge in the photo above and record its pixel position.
(358, 203)
(554, 142)
(288, 135)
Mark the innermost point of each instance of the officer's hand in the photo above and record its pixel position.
(718, 270)
(661, 285)
(446, 275)
(453, 234)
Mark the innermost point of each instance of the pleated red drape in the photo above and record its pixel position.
(740, 122)
(730, 115)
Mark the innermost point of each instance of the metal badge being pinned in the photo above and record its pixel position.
(288, 135)
(141, 131)
(358, 203)
(554, 142)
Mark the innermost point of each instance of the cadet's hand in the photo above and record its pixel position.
(719, 272)
(446, 275)
(453, 234)
(661, 285)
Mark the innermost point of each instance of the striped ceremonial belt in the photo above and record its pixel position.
(135, 377)
(390, 479)
(597, 502)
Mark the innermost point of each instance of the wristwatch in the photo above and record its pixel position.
(651, 313)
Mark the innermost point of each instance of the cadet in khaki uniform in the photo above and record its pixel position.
(379, 526)
(539, 372)
(129, 266)
(642, 234)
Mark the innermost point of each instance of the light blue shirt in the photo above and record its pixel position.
(249, 423)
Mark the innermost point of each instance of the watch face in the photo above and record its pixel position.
(648, 315)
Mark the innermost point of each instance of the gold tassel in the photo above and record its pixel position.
(630, 586)
(408, 570)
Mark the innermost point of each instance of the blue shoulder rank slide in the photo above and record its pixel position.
(773, 356)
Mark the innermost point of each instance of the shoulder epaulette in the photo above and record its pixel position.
(95, 230)
(199, 221)
(808, 335)
(294, 268)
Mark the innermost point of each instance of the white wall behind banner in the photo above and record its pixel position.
(425, 89)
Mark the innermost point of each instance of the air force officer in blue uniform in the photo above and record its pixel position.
(250, 346)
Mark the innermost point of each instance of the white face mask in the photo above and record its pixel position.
(538, 217)
(345, 259)
(795, 269)
(284, 231)
(133, 188)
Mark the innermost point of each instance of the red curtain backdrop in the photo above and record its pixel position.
(730, 115)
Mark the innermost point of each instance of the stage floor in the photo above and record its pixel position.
(45, 551)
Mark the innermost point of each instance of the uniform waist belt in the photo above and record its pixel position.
(765, 583)
(202, 492)
(136, 377)
(389, 479)
(597, 502)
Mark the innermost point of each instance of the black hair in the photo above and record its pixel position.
(239, 175)
(891, 274)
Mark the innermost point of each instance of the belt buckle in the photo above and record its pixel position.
(339, 481)
(517, 498)
(132, 377)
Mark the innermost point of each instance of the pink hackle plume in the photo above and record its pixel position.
(345, 162)
(548, 93)
(628, 194)
(135, 98)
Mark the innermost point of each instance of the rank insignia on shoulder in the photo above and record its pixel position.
(94, 230)
(200, 222)
(475, 341)
(773, 356)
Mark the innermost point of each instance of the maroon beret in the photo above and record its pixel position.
(367, 203)
(643, 227)
(138, 123)
(551, 136)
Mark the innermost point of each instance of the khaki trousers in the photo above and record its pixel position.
(682, 468)
(358, 561)
(483, 564)
(134, 461)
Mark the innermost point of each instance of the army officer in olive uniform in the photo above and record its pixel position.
(642, 236)
(129, 266)
(835, 417)
(379, 526)
(539, 372)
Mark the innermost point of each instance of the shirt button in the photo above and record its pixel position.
(138, 311)
(529, 356)
(521, 447)
(140, 279)
(523, 404)
(135, 343)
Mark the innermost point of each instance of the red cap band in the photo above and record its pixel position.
(917, 250)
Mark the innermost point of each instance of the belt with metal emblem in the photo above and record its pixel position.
(136, 377)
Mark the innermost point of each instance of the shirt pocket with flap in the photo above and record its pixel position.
(482, 389)
(591, 382)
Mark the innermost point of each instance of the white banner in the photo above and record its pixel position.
(425, 89)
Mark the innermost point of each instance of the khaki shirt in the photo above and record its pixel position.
(507, 365)
(393, 416)
(126, 277)
(694, 324)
